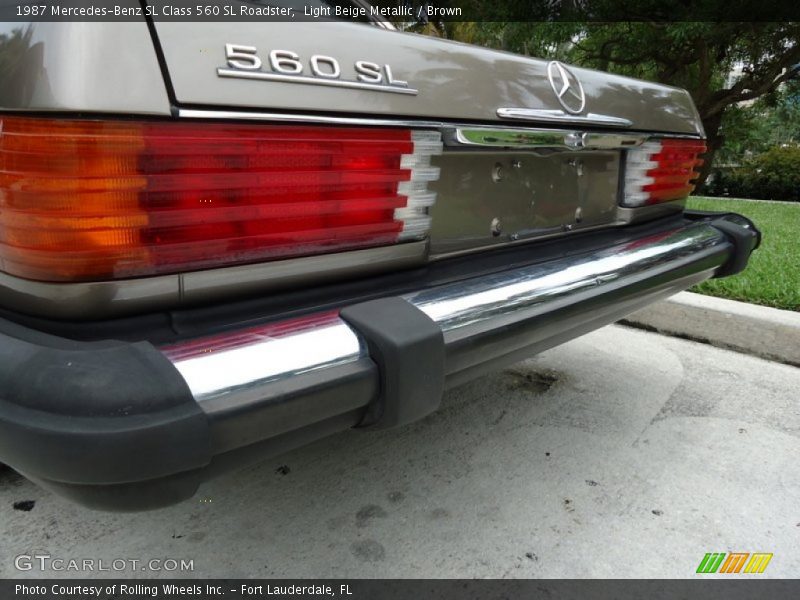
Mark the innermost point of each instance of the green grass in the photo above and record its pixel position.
(773, 276)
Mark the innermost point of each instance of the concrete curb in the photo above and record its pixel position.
(748, 328)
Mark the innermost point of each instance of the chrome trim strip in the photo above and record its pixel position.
(541, 138)
(243, 115)
(243, 363)
(559, 116)
(239, 74)
(189, 113)
(682, 136)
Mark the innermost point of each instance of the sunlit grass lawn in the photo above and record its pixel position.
(773, 276)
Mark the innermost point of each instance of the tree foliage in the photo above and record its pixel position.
(771, 175)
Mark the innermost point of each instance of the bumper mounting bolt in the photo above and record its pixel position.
(496, 227)
(498, 173)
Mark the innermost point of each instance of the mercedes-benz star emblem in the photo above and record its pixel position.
(567, 87)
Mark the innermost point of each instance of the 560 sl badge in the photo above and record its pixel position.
(287, 66)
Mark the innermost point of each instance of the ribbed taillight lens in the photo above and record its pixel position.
(662, 170)
(88, 200)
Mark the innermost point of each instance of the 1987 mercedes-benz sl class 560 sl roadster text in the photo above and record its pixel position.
(219, 241)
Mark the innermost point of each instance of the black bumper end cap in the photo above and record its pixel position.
(741, 231)
(408, 347)
(745, 240)
(93, 414)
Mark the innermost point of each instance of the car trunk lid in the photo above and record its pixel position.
(355, 69)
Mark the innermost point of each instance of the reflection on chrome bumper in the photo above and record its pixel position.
(247, 359)
(484, 320)
(476, 305)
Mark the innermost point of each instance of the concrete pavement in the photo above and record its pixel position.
(621, 454)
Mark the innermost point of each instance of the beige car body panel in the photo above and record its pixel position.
(454, 81)
(81, 66)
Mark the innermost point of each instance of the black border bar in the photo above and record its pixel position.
(735, 587)
(401, 11)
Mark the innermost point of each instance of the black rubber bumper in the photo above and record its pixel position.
(96, 414)
(114, 425)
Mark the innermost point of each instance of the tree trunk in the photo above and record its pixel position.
(714, 140)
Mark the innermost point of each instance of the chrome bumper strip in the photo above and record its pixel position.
(501, 304)
(241, 361)
(475, 305)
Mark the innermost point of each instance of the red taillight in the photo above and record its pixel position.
(662, 170)
(83, 200)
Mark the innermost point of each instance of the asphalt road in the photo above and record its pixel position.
(620, 454)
